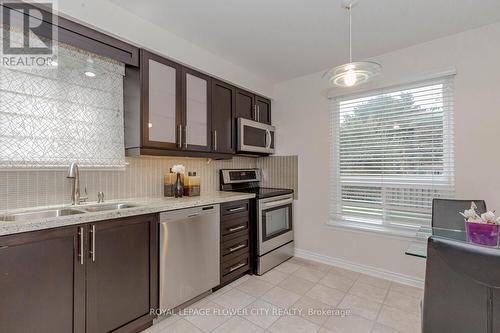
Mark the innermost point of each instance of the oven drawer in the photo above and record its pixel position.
(234, 267)
(234, 248)
(234, 209)
(233, 227)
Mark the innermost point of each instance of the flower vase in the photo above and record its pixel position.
(482, 233)
(178, 187)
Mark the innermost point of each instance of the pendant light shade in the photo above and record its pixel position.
(352, 73)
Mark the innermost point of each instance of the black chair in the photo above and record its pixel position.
(445, 212)
(461, 288)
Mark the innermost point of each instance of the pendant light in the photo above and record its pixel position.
(352, 73)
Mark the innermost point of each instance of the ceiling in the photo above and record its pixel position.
(282, 39)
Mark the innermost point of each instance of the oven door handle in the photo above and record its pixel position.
(277, 203)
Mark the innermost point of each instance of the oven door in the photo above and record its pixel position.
(274, 223)
(255, 137)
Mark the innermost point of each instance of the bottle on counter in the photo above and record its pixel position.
(192, 185)
(169, 184)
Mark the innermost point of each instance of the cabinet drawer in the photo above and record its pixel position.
(234, 267)
(234, 248)
(231, 228)
(234, 209)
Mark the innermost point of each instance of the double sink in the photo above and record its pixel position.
(66, 211)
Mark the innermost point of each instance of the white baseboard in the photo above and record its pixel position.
(360, 268)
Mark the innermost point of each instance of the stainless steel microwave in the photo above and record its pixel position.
(255, 137)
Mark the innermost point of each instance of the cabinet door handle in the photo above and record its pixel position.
(80, 243)
(235, 248)
(237, 209)
(215, 140)
(92, 244)
(237, 228)
(185, 136)
(237, 267)
(254, 112)
(179, 140)
(258, 112)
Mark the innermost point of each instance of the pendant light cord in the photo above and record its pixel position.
(349, 8)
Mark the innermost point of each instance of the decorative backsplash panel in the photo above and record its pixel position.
(143, 177)
(280, 171)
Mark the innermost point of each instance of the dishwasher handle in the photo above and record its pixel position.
(188, 213)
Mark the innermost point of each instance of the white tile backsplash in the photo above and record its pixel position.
(143, 177)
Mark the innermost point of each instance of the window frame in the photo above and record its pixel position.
(445, 181)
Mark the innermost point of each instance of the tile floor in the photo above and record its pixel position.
(303, 296)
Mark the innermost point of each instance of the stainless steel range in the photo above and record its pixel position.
(273, 217)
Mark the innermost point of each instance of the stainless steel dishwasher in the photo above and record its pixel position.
(189, 254)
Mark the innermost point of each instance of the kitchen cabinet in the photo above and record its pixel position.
(42, 282)
(70, 32)
(253, 107)
(235, 247)
(223, 126)
(172, 110)
(196, 110)
(100, 277)
(168, 111)
(121, 274)
(152, 98)
(245, 105)
(263, 106)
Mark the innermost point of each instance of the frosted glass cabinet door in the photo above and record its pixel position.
(163, 103)
(197, 110)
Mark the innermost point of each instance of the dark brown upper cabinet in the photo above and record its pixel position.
(168, 110)
(153, 105)
(223, 105)
(253, 107)
(92, 278)
(172, 110)
(70, 32)
(263, 106)
(196, 111)
(245, 105)
(162, 123)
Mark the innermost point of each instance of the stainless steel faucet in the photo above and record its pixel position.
(74, 174)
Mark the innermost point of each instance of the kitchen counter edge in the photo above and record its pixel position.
(144, 206)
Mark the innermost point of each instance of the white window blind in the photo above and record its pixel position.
(52, 117)
(392, 153)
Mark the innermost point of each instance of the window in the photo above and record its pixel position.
(52, 117)
(392, 153)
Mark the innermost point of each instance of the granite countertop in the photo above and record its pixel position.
(144, 206)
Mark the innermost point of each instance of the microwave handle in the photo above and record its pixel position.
(269, 139)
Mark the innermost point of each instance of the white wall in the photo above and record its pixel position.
(300, 114)
(107, 17)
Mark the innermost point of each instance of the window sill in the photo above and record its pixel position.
(373, 229)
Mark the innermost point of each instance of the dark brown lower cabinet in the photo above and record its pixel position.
(42, 283)
(235, 247)
(93, 278)
(121, 274)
